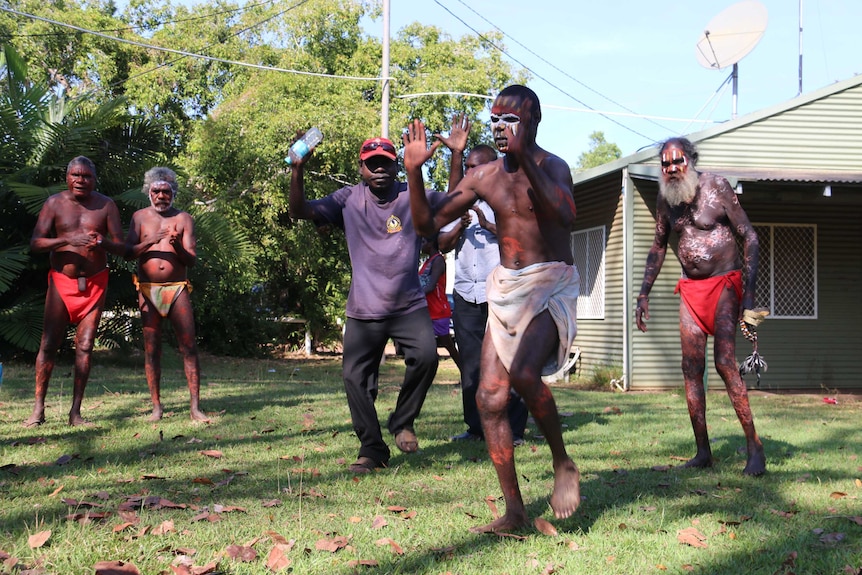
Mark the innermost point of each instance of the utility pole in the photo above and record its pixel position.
(384, 73)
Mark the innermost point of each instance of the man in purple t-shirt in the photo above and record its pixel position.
(385, 300)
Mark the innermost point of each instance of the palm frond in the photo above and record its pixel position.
(21, 323)
(133, 198)
(224, 242)
(32, 197)
(13, 261)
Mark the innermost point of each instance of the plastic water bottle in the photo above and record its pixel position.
(303, 146)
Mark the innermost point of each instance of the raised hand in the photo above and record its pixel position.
(457, 138)
(416, 150)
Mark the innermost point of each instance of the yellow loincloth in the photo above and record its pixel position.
(161, 295)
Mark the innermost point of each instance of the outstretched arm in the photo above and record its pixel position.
(416, 153)
(457, 143)
(425, 219)
(655, 259)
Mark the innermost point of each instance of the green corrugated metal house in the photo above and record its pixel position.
(798, 168)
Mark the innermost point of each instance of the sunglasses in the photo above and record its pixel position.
(385, 146)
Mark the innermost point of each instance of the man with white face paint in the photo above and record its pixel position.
(532, 295)
(705, 213)
(162, 238)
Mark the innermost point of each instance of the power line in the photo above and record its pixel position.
(192, 54)
(502, 51)
(165, 23)
(563, 72)
(246, 29)
(551, 106)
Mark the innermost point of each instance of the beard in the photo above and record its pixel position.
(160, 207)
(679, 191)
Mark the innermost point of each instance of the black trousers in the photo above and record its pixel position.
(364, 344)
(470, 320)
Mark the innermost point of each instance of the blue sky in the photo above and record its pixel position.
(641, 57)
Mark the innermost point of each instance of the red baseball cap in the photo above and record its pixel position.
(377, 147)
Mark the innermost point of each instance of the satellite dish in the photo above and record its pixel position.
(730, 36)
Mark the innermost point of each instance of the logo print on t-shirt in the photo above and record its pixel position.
(393, 224)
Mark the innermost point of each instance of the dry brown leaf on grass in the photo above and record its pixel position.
(192, 570)
(280, 539)
(277, 558)
(378, 522)
(241, 553)
(164, 528)
(396, 548)
(75, 503)
(271, 503)
(545, 527)
(122, 527)
(691, 536)
(354, 563)
(56, 491)
(218, 508)
(87, 517)
(38, 539)
(490, 500)
(215, 453)
(115, 568)
(332, 545)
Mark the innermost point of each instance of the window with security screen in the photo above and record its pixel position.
(588, 247)
(787, 275)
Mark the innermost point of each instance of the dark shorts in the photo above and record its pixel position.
(441, 327)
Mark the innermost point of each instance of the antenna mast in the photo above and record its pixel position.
(800, 48)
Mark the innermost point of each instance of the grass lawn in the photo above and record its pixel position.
(264, 487)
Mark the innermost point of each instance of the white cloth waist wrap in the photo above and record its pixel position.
(515, 297)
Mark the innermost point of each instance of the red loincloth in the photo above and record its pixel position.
(79, 303)
(701, 296)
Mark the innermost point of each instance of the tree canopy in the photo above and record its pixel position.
(227, 127)
(600, 152)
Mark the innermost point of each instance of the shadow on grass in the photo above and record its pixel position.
(266, 412)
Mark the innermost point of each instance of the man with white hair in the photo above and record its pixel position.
(705, 213)
(162, 238)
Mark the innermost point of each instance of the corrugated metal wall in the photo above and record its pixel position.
(600, 340)
(801, 138)
(822, 134)
(821, 353)
(801, 353)
(656, 354)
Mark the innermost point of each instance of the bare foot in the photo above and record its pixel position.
(198, 415)
(756, 464)
(567, 489)
(701, 460)
(78, 421)
(157, 414)
(508, 522)
(34, 421)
